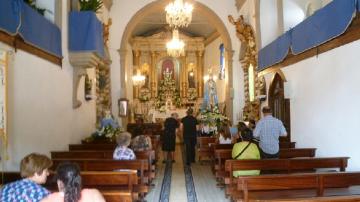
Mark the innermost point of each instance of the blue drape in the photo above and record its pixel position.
(39, 32)
(16, 17)
(275, 52)
(10, 15)
(85, 33)
(326, 24)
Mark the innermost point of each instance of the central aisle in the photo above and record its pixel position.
(176, 183)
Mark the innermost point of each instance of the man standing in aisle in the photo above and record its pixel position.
(189, 128)
(268, 130)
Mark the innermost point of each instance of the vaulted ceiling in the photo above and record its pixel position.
(199, 27)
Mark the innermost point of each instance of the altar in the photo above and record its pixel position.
(157, 115)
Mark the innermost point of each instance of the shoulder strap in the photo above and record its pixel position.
(237, 156)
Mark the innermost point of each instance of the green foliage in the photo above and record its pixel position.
(31, 3)
(90, 5)
(167, 87)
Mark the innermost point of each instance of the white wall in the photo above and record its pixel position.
(41, 117)
(325, 111)
(268, 21)
(212, 61)
(122, 12)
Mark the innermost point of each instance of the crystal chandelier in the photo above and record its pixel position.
(138, 79)
(175, 47)
(178, 14)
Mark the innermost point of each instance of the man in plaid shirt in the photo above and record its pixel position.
(268, 130)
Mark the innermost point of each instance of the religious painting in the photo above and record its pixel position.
(123, 107)
(167, 69)
(191, 76)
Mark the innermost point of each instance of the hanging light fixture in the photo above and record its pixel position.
(178, 14)
(138, 79)
(175, 47)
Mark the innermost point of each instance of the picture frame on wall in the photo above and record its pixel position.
(123, 105)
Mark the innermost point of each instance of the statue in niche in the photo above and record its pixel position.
(210, 94)
(191, 79)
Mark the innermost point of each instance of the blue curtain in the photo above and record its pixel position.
(85, 33)
(326, 24)
(275, 52)
(39, 32)
(358, 5)
(10, 15)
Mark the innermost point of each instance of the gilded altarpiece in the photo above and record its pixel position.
(254, 86)
(150, 57)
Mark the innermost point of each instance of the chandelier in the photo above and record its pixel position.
(138, 79)
(175, 47)
(178, 14)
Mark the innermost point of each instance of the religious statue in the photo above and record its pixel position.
(108, 120)
(210, 94)
(167, 73)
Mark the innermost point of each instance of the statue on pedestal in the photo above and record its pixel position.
(210, 94)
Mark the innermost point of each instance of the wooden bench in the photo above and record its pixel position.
(114, 186)
(280, 166)
(352, 198)
(221, 155)
(142, 166)
(203, 147)
(88, 154)
(314, 184)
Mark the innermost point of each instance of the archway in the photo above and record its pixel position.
(200, 9)
(278, 103)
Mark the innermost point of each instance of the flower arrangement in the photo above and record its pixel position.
(105, 134)
(211, 119)
(90, 5)
(167, 88)
(192, 94)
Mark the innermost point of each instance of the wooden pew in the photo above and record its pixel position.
(280, 165)
(221, 155)
(142, 166)
(203, 147)
(352, 198)
(88, 154)
(114, 186)
(315, 184)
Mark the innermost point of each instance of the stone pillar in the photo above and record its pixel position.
(123, 91)
(183, 78)
(153, 74)
(200, 72)
(136, 63)
(229, 96)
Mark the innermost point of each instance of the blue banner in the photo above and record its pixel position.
(85, 33)
(10, 11)
(275, 52)
(324, 25)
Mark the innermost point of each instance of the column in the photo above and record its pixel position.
(153, 74)
(200, 72)
(182, 75)
(136, 63)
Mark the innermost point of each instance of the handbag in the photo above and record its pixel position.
(237, 156)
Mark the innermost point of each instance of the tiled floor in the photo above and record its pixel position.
(204, 181)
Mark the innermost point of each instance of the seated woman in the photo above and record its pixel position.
(243, 131)
(224, 135)
(245, 150)
(122, 152)
(34, 171)
(141, 142)
(69, 185)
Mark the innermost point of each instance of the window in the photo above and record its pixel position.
(222, 62)
(251, 83)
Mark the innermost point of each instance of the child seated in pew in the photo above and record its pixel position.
(245, 149)
(34, 171)
(122, 152)
(224, 135)
(70, 188)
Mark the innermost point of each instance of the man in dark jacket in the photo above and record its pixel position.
(189, 128)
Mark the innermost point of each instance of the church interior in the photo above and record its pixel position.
(76, 75)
